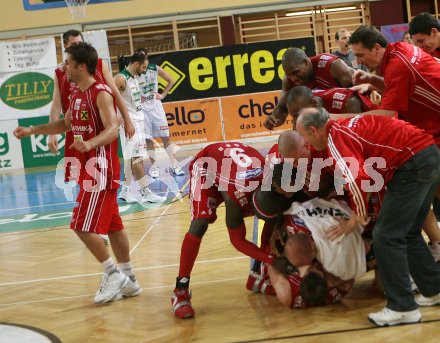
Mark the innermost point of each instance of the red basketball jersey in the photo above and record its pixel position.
(232, 167)
(99, 168)
(323, 78)
(335, 99)
(66, 89)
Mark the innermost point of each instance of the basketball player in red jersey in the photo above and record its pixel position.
(334, 100)
(62, 93)
(230, 173)
(92, 119)
(322, 71)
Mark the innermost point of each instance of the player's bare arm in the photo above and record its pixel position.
(170, 83)
(53, 128)
(54, 115)
(342, 73)
(234, 214)
(279, 114)
(120, 82)
(104, 101)
(120, 103)
(281, 286)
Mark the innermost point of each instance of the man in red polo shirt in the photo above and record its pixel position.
(425, 32)
(322, 71)
(410, 82)
(408, 77)
(407, 162)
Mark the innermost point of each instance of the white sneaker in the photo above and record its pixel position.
(111, 285)
(388, 317)
(149, 196)
(178, 171)
(435, 250)
(428, 301)
(414, 288)
(118, 296)
(154, 172)
(132, 288)
(126, 195)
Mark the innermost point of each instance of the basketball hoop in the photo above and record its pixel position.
(77, 8)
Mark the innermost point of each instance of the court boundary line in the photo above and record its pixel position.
(93, 294)
(158, 218)
(24, 282)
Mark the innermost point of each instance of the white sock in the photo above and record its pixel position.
(170, 153)
(108, 266)
(126, 268)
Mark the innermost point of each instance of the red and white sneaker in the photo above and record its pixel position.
(260, 283)
(181, 301)
(257, 284)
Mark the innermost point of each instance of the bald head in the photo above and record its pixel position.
(293, 55)
(311, 124)
(311, 116)
(297, 67)
(290, 143)
(299, 250)
(299, 97)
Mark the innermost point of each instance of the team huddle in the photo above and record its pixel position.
(348, 189)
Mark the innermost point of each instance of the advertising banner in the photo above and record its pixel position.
(10, 148)
(244, 115)
(195, 121)
(227, 70)
(394, 33)
(26, 94)
(35, 149)
(27, 54)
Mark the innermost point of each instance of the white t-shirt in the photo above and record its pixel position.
(344, 259)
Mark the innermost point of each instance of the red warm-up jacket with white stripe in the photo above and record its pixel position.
(378, 144)
(412, 86)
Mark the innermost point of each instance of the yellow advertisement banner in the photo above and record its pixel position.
(244, 115)
(194, 121)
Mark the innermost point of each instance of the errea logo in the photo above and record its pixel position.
(176, 74)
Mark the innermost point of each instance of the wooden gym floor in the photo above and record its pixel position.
(48, 280)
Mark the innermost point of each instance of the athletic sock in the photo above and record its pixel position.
(188, 255)
(126, 268)
(108, 266)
